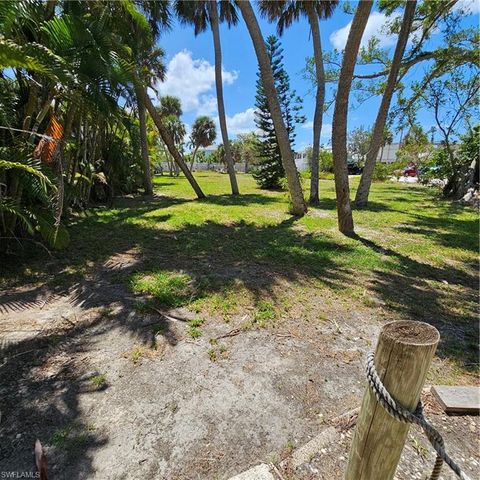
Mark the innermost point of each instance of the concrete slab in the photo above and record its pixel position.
(304, 454)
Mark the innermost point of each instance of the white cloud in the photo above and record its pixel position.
(467, 7)
(193, 81)
(241, 122)
(376, 27)
(207, 105)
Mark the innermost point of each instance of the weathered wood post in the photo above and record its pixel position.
(404, 352)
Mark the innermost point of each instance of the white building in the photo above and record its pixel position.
(301, 160)
(387, 154)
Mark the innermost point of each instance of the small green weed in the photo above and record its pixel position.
(194, 332)
(196, 322)
(212, 354)
(98, 381)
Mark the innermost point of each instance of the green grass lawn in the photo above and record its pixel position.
(415, 256)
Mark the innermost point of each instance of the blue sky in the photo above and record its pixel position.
(190, 74)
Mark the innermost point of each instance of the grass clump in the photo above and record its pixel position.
(193, 327)
(212, 353)
(98, 381)
(72, 436)
(194, 332)
(171, 289)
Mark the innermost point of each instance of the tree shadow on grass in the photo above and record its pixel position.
(244, 199)
(423, 292)
(331, 204)
(445, 230)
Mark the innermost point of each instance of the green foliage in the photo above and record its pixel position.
(359, 144)
(326, 161)
(381, 172)
(416, 146)
(325, 158)
(470, 146)
(439, 165)
(269, 170)
(55, 234)
(74, 67)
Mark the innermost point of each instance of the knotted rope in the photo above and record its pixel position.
(403, 415)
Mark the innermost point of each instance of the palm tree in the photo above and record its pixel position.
(142, 35)
(376, 141)
(171, 110)
(339, 124)
(201, 14)
(294, 186)
(203, 135)
(169, 142)
(147, 68)
(285, 12)
(170, 106)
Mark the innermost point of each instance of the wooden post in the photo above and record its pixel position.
(404, 352)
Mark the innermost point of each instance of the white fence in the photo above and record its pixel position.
(205, 167)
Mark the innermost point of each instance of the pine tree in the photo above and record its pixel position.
(269, 172)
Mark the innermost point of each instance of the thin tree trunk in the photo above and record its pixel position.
(194, 154)
(30, 108)
(147, 177)
(294, 186)
(319, 104)
(221, 106)
(167, 139)
(361, 198)
(339, 125)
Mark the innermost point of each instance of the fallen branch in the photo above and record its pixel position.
(231, 333)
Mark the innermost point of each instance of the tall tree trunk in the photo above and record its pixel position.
(319, 104)
(363, 191)
(339, 124)
(294, 186)
(167, 139)
(221, 106)
(147, 177)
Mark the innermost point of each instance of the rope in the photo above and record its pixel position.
(403, 415)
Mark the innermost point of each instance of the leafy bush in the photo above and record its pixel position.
(326, 161)
(381, 172)
(435, 166)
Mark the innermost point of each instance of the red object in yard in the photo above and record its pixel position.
(410, 171)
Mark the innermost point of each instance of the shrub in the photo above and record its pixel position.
(326, 161)
(381, 172)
